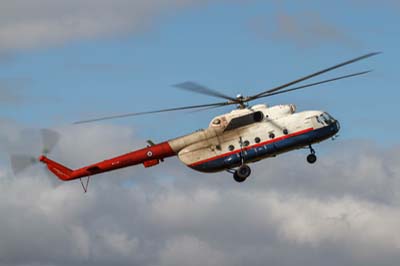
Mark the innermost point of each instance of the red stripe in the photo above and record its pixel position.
(252, 147)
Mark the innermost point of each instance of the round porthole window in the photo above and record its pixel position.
(246, 143)
(231, 147)
(285, 131)
(257, 140)
(271, 135)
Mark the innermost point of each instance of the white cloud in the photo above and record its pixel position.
(347, 220)
(281, 216)
(43, 23)
(188, 250)
(306, 29)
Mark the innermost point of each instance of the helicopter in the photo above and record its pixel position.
(232, 141)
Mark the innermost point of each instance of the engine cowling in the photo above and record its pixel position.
(281, 110)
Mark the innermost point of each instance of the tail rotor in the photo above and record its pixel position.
(50, 139)
(21, 162)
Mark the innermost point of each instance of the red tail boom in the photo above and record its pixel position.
(147, 156)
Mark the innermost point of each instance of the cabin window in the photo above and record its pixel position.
(257, 140)
(231, 147)
(246, 143)
(271, 135)
(285, 131)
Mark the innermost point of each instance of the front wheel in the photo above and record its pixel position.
(311, 158)
(242, 173)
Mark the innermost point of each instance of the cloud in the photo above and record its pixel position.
(189, 250)
(344, 210)
(302, 30)
(44, 23)
(345, 220)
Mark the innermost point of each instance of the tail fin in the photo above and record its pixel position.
(59, 170)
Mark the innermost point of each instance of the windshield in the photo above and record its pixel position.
(328, 119)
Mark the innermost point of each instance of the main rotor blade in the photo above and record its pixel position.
(206, 109)
(313, 75)
(198, 88)
(316, 83)
(154, 112)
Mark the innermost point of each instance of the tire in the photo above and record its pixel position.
(237, 178)
(311, 158)
(242, 173)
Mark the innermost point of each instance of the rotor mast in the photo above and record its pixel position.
(241, 101)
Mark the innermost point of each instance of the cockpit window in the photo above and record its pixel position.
(327, 118)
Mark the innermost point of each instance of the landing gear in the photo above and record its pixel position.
(241, 174)
(311, 158)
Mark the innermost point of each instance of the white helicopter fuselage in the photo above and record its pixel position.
(231, 141)
(252, 134)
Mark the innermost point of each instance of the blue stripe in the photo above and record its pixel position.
(268, 150)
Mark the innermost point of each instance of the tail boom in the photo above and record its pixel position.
(152, 153)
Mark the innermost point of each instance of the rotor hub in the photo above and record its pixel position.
(241, 101)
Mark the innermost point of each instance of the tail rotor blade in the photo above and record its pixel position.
(50, 139)
(22, 162)
(19, 163)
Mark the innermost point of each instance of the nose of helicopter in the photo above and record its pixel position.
(335, 127)
(331, 130)
(332, 124)
(337, 124)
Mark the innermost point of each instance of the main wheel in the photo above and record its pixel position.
(242, 173)
(237, 178)
(311, 158)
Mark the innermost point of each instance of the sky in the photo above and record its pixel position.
(64, 61)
